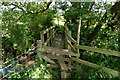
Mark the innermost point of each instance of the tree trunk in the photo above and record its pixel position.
(114, 9)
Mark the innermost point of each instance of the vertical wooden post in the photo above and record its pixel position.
(51, 37)
(54, 34)
(78, 35)
(119, 36)
(39, 44)
(42, 38)
(48, 37)
(69, 32)
(66, 39)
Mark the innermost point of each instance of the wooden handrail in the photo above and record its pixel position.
(48, 29)
(70, 37)
(73, 48)
(99, 50)
(107, 70)
(45, 44)
(66, 28)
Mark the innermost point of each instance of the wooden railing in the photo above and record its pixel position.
(75, 46)
(69, 40)
(51, 33)
(98, 50)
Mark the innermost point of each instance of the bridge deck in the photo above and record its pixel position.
(58, 42)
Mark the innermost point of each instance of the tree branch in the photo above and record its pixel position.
(18, 7)
(45, 8)
(19, 18)
(32, 12)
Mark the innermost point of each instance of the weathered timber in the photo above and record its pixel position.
(48, 34)
(39, 44)
(72, 39)
(107, 70)
(69, 47)
(48, 29)
(78, 34)
(45, 44)
(99, 50)
(62, 64)
(48, 59)
(72, 47)
(58, 66)
(66, 38)
(51, 56)
(63, 67)
(42, 38)
(66, 28)
(56, 57)
(58, 51)
(52, 66)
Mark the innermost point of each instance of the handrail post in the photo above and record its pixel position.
(48, 37)
(42, 38)
(78, 35)
(51, 37)
(53, 32)
(65, 39)
(39, 44)
(69, 32)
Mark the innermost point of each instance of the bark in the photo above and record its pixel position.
(96, 30)
(89, 14)
(115, 9)
(30, 12)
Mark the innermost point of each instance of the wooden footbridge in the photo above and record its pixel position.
(61, 47)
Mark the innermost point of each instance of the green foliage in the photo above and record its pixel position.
(20, 32)
(85, 72)
(39, 70)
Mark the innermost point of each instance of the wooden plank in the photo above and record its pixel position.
(45, 44)
(78, 34)
(73, 48)
(58, 66)
(39, 44)
(62, 64)
(99, 50)
(69, 47)
(63, 67)
(52, 66)
(66, 28)
(58, 51)
(51, 56)
(66, 38)
(48, 59)
(42, 38)
(107, 70)
(72, 39)
(48, 29)
(48, 37)
(56, 57)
